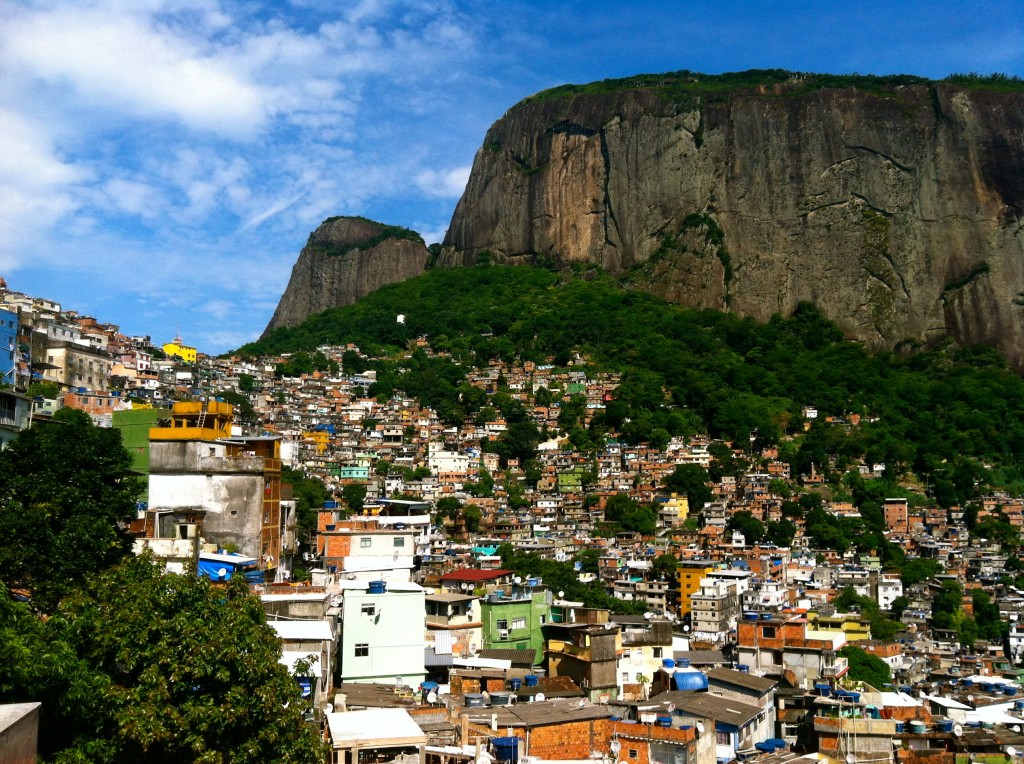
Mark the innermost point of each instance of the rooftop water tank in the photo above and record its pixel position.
(506, 749)
(689, 680)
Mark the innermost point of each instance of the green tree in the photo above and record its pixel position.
(159, 667)
(691, 481)
(246, 383)
(745, 522)
(917, 570)
(865, 667)
(310, 494)
(354, 495)
(447, 507)
(664, 566)
(473, 516)
(66, 492)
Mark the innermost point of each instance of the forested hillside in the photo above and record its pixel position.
(953, 415)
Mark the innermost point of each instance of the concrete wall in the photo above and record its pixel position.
(19, 733)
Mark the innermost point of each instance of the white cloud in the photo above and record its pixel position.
(444, 184)
(36, 184)
(112, 59)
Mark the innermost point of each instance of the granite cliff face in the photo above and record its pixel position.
(900, 211)
(347, 258)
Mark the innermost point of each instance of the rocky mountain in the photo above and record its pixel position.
(896, 205)
(347, 258)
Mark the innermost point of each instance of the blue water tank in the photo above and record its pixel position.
(514, 684)
(376, 587)
(506, 749)
(668, 663)
(530, 680)
(689, 680)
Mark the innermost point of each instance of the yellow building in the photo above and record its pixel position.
(689, 574)
(180, 350)
(852, 625)
(318, 438)
(195, 420)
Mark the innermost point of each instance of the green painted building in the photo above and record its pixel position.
(513, 621)
(134, 427)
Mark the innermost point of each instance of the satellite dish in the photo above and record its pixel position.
(222, 573)
(431, 697)
(1011, 751)
(970, 698)
(561, 595)
(483, 758)
(540, 697)
(700, 728)
(615, 746)
(958, 730)
(518, 579)
(648, 615)
(851, 759)
(328, 708)
(464, 586)
(582, 703)
(671, 707)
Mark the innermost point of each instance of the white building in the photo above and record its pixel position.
(382, 627)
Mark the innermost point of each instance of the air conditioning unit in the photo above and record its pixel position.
(502, 633)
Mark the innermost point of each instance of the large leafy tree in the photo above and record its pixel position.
(66, 495)
(147, 666)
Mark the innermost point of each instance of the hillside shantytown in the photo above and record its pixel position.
(687, 601)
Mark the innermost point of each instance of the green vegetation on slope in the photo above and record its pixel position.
(386, 232)
(689, 88)
(940, 412)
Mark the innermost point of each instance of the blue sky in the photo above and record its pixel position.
(163, 161)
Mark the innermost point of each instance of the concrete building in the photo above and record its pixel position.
(230, 487)
(15, 415)
(513, 618)
(382, 632)
(72, 365)
(689, 574)
(586, 653)
(714, 611)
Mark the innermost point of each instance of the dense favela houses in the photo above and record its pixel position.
(437, 601)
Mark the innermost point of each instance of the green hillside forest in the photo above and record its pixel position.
(953, 416)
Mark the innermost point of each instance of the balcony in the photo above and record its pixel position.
(838, 668)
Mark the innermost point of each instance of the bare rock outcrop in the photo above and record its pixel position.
(347, 258)
(898, 211)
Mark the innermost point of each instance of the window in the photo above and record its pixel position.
(768, 632)
(518, 623)
(657, 652)
(362, 649)
(723, 738)
(364, 543)
(502, 624)
(368, 608)
(634, 753)
(399, 541)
